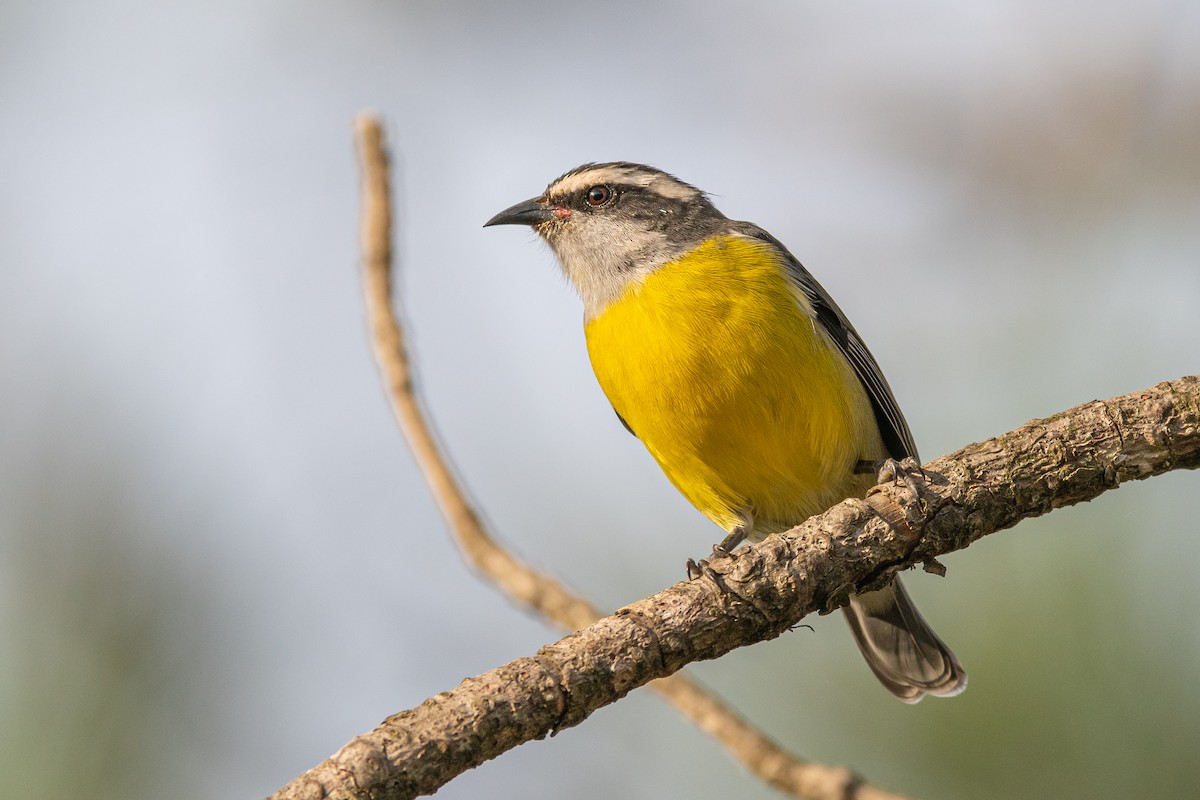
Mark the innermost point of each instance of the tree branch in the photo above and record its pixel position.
(769, 587)
(757, 752)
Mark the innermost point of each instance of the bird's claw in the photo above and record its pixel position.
(903, 471)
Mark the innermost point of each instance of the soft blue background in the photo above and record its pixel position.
(217, 561)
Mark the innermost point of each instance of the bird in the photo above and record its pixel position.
(738, 372)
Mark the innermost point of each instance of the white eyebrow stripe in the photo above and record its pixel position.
(654, 181)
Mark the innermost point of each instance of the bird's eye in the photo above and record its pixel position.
(598, 195)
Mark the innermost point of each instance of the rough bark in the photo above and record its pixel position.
(768, 588)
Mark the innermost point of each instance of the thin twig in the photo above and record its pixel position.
(757, 752)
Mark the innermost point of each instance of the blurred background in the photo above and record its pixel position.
(217, 561)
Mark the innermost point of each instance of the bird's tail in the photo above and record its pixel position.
(900, 648)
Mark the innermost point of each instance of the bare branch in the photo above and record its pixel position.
(757, 752)
(769, 587)
(1069, 458)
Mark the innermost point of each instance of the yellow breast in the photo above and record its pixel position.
(746, 405)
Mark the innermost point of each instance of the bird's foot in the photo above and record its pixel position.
(724, 549)
(889, 470)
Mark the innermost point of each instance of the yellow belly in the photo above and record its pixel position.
(748, 408)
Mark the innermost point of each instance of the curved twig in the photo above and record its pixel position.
(757, 752)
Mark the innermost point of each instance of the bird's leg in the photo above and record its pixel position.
(735, 537)
(738, 535)
(865, 466)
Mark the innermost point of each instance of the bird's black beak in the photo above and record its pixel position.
(530, 212)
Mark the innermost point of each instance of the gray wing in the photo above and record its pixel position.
(896, 435)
